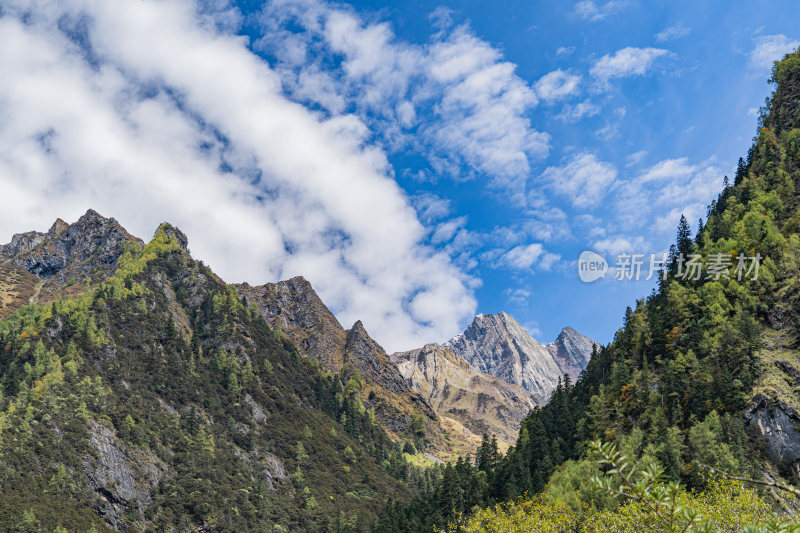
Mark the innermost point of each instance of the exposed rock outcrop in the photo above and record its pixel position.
(66, 255)
(362, 353)
(123, 479)
(500, 346)
(779, 423)
(93, 243)
(295, 308)
(477, 401)
(571, 351)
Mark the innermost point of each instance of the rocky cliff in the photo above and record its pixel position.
(571, 351)
(469, 401)
(500, 346)
(295, 308)
(64, 258)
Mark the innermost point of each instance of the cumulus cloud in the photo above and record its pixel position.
(770, 48)
(585, 180)
(589, 10)
(626, 62)
(557, 85)
(673, 32)
(454, 98)
(153, 111)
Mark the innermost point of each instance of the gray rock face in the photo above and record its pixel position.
(123, 479)
(572, 352)
(366, 355)
(779, 424)
(295, 308)
(93, 243)
(500, 346)
(272, 469)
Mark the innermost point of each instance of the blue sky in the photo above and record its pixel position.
(419, 162)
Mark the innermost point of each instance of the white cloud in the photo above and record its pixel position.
(557, 85)
(635, 158)
(431, 208)
(517, 296)
(609, 131)
(626, 62)
(564, 51)
(454, 99)
(573, 113)
(589, 10)
(167, 117)
(770, 48)
(673, 32)
(585, 180)
(547, 224)
(620, 244)
(522, 257)
(447, 230)
(668, 188)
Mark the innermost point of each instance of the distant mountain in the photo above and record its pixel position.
(500, 346)
(470, 402)
(572, 351)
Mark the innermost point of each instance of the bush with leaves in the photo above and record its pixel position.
(655, 505)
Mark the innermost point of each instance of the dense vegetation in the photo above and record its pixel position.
(673, 384)
(164, 373)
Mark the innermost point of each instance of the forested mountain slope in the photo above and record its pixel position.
(158, 399)
(704, 370)
(293, 307)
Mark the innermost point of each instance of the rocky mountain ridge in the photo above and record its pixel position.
(459, 401)
(498, 345)
(37, 266)
(469, 401)
(295, 308)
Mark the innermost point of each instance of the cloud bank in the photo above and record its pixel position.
(149, 110)
(453, 99)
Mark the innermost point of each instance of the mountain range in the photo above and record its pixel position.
(460, 399)
(140, 391)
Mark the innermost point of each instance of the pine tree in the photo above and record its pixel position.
(684, 238)
(741, 172)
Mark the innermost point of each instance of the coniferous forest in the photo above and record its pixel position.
(681, 383)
